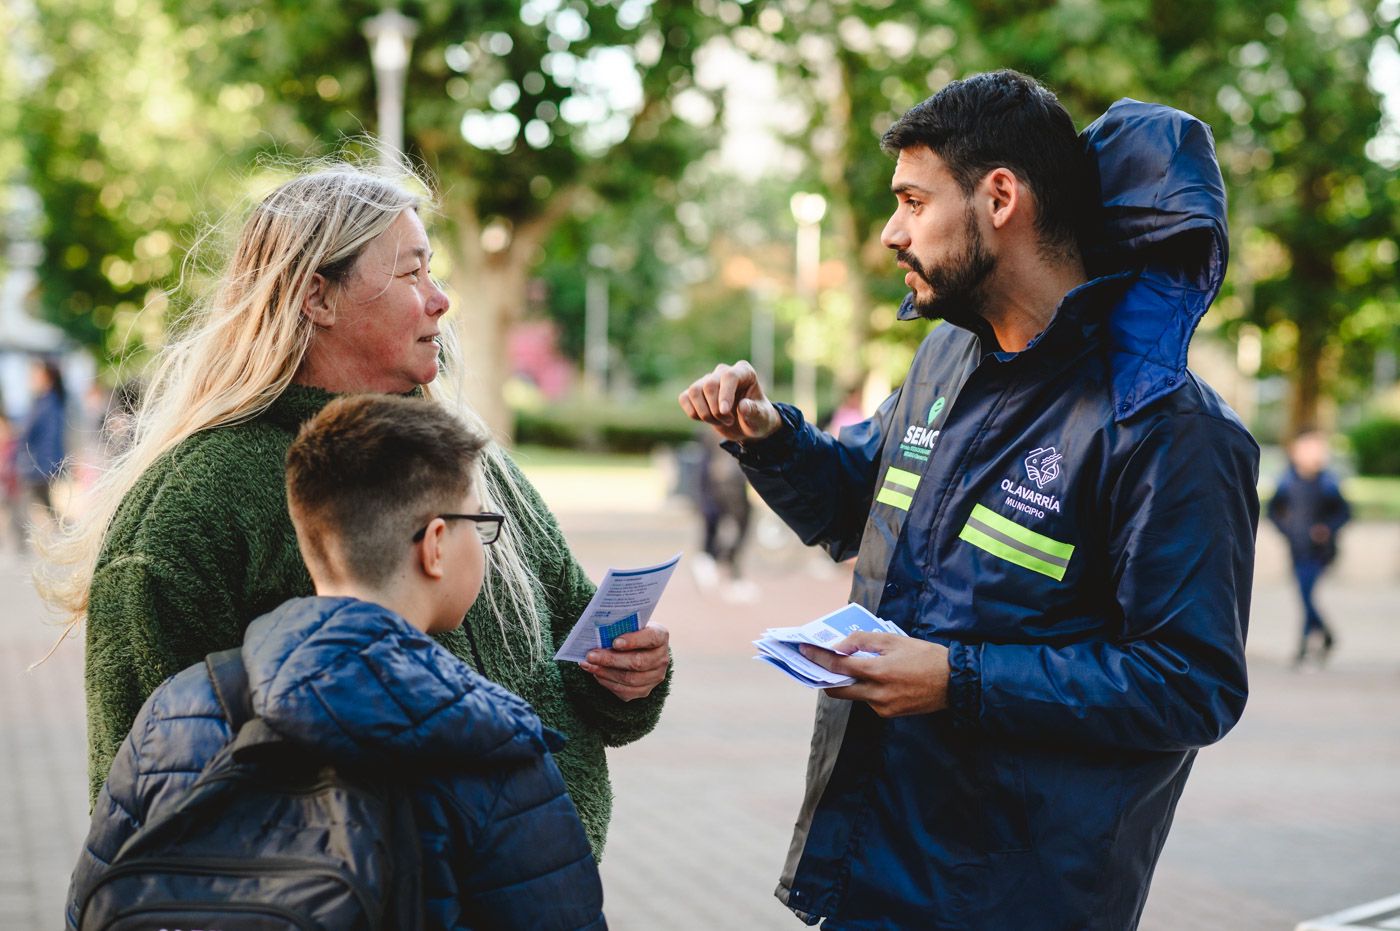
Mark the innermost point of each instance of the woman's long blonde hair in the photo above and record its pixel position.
(240, 351)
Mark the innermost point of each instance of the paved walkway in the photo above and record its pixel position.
(1295, 814)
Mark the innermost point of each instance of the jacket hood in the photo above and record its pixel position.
(1162, 222)
(359, 683)
(1163, 216)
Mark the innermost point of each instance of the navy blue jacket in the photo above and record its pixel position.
(40, 453)
(1301, 504)
(1076, 523)
(502, 843)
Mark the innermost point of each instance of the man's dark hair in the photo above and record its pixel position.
(368, 471)
(1005, 119)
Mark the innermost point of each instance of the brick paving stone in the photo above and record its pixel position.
(42, 761)
(1296, 813)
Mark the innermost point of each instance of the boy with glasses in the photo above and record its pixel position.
(382, 495)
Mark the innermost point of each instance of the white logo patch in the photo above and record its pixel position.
(1043, 466)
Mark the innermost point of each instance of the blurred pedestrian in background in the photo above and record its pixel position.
(1308, 509)
(40, 456)
(12, 493)
(851, 411)
(722, 499)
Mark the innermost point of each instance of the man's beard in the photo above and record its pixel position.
(957, 283)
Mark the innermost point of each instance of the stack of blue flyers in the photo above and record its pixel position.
(778, 645)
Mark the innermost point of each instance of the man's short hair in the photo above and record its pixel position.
(1005, 119)
(368, 471)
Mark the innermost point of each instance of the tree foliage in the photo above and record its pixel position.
(119, 153)
(523, 111)
(1319, 237)
(556, 125)
(14, 33)
(1290, 103)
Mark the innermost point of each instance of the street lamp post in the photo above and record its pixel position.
(390, 36)
(807, 210)
(595, 321)
(761, 335)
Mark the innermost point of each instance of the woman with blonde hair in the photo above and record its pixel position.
(188, 537)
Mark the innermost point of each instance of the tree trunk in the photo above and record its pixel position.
(1306, 393)
(489, 302)
(490, 290)
(853, 366)
(1315, 276)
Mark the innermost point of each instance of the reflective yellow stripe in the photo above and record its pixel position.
(902, 478)
(894, 498)
(992, 533)
(980, 540)
(1023, 534)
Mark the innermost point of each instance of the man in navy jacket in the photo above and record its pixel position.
(1056, 511)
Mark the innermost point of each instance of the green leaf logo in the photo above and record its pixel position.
(936, 409)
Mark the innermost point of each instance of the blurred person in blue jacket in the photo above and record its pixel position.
(1058, 513)
(41, 452)
(1308, 509)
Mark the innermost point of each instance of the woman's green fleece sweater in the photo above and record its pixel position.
(202, 544)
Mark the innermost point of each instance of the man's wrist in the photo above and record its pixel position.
(772, 448)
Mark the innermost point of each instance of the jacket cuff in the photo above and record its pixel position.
(772, 449)
(965, 684)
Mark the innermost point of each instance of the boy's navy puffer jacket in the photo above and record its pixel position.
(502, 843)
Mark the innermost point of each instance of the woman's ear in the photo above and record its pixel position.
(428, 551)
(316, 305)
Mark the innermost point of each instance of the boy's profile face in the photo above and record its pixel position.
(464, 568)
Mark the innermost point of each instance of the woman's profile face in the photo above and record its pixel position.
(387, 314)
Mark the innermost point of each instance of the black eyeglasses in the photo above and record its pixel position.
(488, 526)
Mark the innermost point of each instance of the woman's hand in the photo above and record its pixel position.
(635, 665)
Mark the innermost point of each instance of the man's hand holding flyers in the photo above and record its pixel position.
(894, 674)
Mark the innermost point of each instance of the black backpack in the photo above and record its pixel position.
(270, 836)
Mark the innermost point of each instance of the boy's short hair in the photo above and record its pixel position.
(368, 471)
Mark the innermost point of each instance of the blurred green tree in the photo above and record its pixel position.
(117, 150)
(14, 32)
(686, 273)
(1314, 200)
(523, 111)
(1291, 105)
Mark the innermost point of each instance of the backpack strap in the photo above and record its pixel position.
(230, 681)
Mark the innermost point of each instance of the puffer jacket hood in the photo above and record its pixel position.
(1163, 222)
(1163, 203)
(339, 675)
